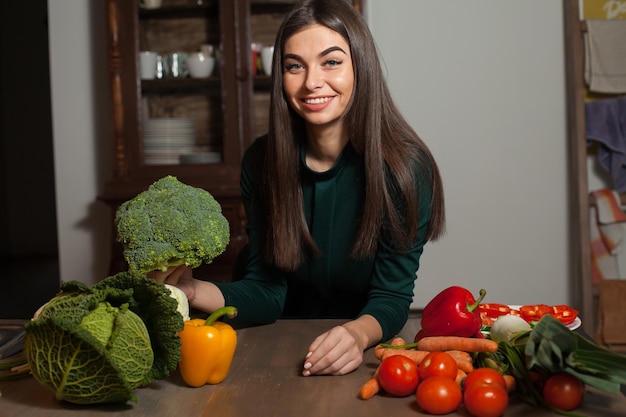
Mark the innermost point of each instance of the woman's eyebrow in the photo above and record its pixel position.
(321, 54)
(332, 49)
(293, 56)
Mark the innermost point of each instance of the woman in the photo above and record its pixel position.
(340, 196)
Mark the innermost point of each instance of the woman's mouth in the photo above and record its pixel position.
(317, 100)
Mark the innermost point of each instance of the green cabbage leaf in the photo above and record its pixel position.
(98, 344)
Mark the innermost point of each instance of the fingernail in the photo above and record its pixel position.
(306, 373)
(308, 354)
(307, 365)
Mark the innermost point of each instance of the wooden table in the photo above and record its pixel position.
(265, 381)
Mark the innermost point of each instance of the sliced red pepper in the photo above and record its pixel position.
(494, 310)
(565, 314)
(535, 312)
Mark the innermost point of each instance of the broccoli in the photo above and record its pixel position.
(170, 224)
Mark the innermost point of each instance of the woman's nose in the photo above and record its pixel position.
(314, 79)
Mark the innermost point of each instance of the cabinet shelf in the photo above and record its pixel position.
(261, 82)
(182, 11)
(180, 84)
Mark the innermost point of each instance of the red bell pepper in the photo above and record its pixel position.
(565, 314)
(453, 312)
(494, 310)
(534, 312)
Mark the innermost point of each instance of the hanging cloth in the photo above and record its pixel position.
(608, 230)
(605, 123)
(605, 55)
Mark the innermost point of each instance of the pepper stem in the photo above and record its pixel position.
(228, 311)
(474, 306)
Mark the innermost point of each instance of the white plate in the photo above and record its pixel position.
(572, 326)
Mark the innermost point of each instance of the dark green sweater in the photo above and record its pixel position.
(333, 285)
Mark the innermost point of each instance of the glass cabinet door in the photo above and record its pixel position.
(171, 118)
(265, 19)
(181, 119)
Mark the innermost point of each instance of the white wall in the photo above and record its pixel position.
(481, 81)
(81, 131)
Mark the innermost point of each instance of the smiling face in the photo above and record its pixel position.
(318, 75)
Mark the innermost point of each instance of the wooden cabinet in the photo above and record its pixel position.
(582, 290)
(226, 110)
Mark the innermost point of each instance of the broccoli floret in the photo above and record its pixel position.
(169, 224)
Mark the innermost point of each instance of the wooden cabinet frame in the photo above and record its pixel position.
(130, 175)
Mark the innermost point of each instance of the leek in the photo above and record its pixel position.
(548, 348)
(555, 348)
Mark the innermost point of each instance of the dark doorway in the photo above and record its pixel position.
(29, 274)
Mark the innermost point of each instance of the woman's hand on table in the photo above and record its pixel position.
(335, 352)
(340, 350)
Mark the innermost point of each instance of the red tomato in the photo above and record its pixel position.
(564, 391)
(438, 364)
(439, 395)
(485, 400)
(484, 376)
(398, 376)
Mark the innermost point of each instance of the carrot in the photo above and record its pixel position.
(511, 384)
(460, 376)
(466, 344)
(463, 360)
(415, 355)
(378, 350)
(397, 341)
(370, 388)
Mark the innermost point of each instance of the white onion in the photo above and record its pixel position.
(508, 326)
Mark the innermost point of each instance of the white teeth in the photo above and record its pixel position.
(317, 100)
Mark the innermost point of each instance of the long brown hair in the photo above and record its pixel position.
(378, 132)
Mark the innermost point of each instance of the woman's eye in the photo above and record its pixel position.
(293, 66)
(332, 63)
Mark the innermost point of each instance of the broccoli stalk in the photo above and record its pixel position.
(170, 224)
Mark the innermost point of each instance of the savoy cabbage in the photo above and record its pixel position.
(98, 344)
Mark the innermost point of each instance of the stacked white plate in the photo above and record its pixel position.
(166, 140)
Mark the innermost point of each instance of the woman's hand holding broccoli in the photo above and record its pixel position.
(179, 276)
(202, 295)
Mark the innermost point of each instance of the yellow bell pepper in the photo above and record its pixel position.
(207, 349)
